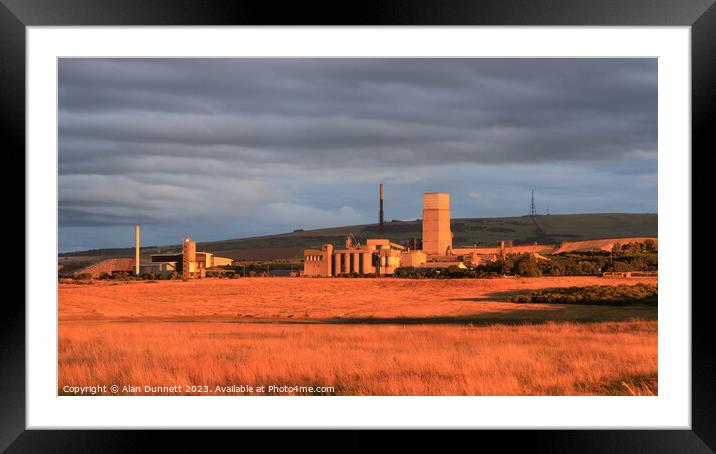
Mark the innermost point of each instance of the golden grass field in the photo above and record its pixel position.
(358, 336)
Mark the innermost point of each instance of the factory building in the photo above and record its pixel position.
(437, 237)
(377, 256)
(189, 263)
(157, 267)
(195, 263)
(381, 256)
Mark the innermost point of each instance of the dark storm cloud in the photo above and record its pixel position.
(163, 134)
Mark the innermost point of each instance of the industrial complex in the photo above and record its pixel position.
(187, 263)
(380, 256)
(364, 256)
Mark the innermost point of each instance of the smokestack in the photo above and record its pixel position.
(381, 208)
(137, 242)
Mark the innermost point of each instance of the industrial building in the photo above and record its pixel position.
(381, 256)
(377, 256)
(189, 263)
(437, 237)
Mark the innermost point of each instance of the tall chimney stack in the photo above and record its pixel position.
(381, 208)
(137, 242)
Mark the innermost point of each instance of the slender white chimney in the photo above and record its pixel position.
(137, 242)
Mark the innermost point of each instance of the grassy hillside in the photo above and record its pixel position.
(480, 231)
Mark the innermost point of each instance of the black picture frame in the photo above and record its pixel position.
(16, 15)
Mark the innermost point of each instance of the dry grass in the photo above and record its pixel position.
(608, 358)
(360, 336)
(336, 300)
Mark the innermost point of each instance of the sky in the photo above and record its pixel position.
(231, 148)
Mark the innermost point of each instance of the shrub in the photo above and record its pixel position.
(587, 268)
(121, 276)
(650, 246)
(527, 267)
(617, 295)
(521, 299)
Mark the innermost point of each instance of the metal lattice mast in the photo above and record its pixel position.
(533, 210)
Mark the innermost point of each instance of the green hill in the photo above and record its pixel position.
(466, 232)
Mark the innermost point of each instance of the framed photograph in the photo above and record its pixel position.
(242, 217)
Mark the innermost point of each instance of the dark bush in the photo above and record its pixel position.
(121, 276)
(617, 295)
(527, 267)
(650, 246)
